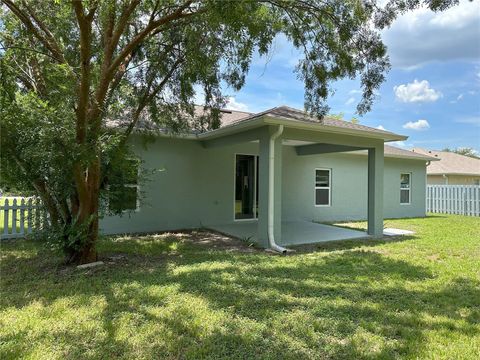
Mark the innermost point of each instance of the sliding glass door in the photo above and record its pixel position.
(246, 185)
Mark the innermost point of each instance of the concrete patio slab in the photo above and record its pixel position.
(396, 232)
(293, 232)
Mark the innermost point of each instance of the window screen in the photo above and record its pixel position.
(405, 188)
(322, 187)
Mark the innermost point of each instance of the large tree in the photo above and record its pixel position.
(69, 69)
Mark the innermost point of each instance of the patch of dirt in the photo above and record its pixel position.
(204, 239)
(434, 257)
(218, 241)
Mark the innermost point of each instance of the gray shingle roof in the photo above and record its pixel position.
(234, 117)
(227, 117)
(393, 151)
(450, 163)
(285, 112)
(288, 113)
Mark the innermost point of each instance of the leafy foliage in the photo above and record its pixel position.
(466, 151)
(341, 116)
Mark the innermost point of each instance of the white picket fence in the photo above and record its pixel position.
(454, 199)
(21, 217)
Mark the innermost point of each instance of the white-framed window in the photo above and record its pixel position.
(405, 188)
(323, 187)
(123, 189)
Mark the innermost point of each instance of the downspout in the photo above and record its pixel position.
(271, 188)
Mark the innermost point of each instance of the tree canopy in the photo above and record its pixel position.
(69, 69)
(466, 151)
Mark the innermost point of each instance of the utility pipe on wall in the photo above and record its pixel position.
(271, 188)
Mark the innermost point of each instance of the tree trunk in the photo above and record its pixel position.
(84, 251)
(88, 252)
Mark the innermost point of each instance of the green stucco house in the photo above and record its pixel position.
(272, 176)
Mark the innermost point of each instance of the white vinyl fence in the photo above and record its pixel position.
(454, 199)
(21, 216)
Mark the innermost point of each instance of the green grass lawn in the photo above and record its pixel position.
(170, 297)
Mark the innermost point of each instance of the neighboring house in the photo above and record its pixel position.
(451, 169)
(276, 166)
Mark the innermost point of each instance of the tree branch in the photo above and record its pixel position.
(85, 54)
(42, 190)
(49, 36)
(109, 73)
(46, 38)
(177, 14)
(118, 31)
(148, 96)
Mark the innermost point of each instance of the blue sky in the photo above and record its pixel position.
(432, 92)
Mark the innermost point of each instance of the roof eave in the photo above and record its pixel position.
(413, 157)
(269, 120)
(231, 129)
(392, 156)
(333, 129)
(453, 173)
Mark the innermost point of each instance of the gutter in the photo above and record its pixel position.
(270, 120)
(258, 121)
(454, 174)
(271, 188)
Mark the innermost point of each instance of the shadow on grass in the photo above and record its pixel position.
(356, 243)
(199, 303)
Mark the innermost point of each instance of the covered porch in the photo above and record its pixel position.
(282, 127)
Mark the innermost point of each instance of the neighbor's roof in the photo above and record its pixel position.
(392, 151)
(395, 152)
(450, 163)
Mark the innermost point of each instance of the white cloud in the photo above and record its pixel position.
(199, 97)
(417, 125)
(401, 144)
(350, 101)
(380, 127)
(473, 120)
(423, 36)
(459, 97)
(456, 17)
(354, 92)
(418, 91)
(233, 104)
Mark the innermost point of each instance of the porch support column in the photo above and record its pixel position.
(264, 189)
(375, 191)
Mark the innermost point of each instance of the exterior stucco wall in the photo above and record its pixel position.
(392, 206)
(193, 186)
(190, 186)
(452, 180)
(170, 198)
(349, 187)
